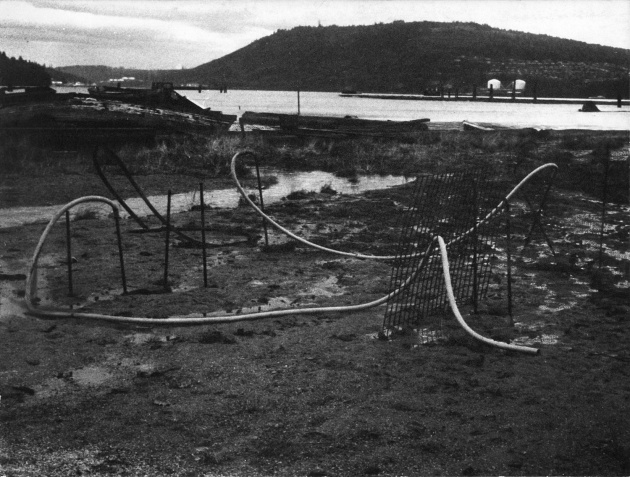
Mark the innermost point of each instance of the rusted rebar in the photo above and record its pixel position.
(203, 236)
(168, 238)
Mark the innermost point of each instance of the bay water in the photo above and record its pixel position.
(544, 116)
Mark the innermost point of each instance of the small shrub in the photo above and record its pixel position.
(298, 195)
(18, 155)
(327, 189)
(86, 215)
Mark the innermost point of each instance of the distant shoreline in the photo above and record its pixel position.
(486, 99)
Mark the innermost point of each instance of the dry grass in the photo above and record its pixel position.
(514, 151)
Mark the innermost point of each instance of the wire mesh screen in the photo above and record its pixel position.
(449, 205)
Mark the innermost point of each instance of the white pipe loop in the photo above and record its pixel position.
(180, 321)
(31, 291)
(288, 233)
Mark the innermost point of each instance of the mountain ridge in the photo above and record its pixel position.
(410, 57)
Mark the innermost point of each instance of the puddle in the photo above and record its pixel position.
(558, 308)
(531, 328)
(91, 376)
(324, 288)
(287, 183)
(542, 339)
(10, 305)
(144, 338)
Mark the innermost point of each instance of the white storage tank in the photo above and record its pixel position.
(519, 85)
(494, 84)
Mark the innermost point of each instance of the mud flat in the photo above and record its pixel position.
(317, 395)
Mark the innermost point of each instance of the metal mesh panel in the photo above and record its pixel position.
(449, 205)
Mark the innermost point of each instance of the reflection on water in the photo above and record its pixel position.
(226, 198)
(288, 182)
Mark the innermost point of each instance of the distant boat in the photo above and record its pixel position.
(26, 94)
(334, 126)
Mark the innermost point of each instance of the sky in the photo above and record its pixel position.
(166, 34)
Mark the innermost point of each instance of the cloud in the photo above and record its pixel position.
(157, 31)
(163, 33)
(19, 14)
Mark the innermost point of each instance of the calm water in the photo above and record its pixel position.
(225, 198)
(550, 116)
(554, 116)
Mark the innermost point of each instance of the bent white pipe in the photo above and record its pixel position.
(458, 316)
(31, 291)
(31, 279)
(288, 233)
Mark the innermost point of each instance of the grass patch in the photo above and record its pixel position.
(509, 154)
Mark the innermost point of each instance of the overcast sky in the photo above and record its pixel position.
(164, 34)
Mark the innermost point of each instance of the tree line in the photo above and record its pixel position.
(21, 72)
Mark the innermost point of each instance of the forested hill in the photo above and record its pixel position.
(20, 72)
(414, 57)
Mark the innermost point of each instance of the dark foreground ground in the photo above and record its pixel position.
(316, 395)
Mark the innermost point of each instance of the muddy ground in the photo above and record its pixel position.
(316, 395)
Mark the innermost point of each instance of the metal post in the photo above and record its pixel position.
(168, 238)
(240, 122)
(538, 214)
(514, 91)
(508, 234)
(203, 237)
(260, 194)
(604, 200)
(120, 251)
(69, 254)
(475, 241)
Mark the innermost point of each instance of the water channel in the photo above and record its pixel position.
(287, 182)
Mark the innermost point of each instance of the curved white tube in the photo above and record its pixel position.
(180, 321)
(458, 316)
(31, 279)
(358, 255)
(34, 310)
(288, 232)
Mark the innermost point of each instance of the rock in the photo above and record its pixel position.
(622, 311)
(515, 463)
(24, 390)
(589, 107)
(211, 337)
(244, 332)
(476, 361)
(470, 470)
(317, 473)
(345, 336)
(372, 470)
